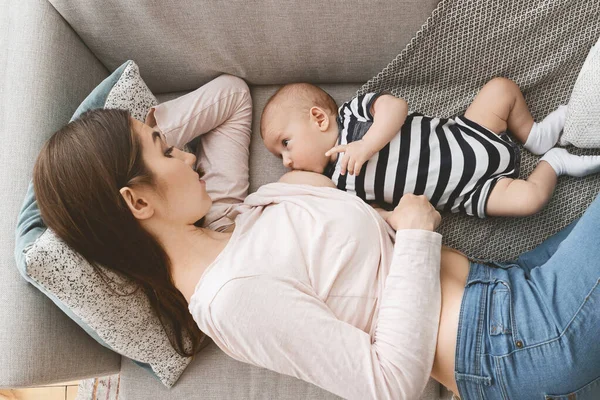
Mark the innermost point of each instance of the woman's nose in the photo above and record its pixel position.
(190, 159)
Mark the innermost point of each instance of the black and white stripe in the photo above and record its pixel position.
(453, 162)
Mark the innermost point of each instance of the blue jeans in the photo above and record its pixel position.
(530, 329)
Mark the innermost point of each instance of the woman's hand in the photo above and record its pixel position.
(414, 212)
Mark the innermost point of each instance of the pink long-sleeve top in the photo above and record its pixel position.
(313, 283)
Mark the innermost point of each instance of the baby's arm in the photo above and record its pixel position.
(391, 113)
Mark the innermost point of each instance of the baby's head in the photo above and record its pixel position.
(299, 125)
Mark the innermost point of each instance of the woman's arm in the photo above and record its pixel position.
(284, 326)
(221, 112)
(287, 328)
(223, 101)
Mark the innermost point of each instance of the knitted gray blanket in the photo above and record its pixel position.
(539, 44)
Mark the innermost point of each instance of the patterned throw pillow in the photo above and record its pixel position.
(124, 324)
(582, 125)
(131, 93)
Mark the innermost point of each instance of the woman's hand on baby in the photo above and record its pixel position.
(414, 212)
(355, 155)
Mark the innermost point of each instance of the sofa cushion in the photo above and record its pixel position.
(124, 324)
(582, 125)
(218, 376)
(185, 44)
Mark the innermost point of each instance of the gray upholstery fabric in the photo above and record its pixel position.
(182, 44)
(211, 374)
(541, 45)
(46, 72)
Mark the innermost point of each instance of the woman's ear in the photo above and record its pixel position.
(319, 117)
(150, 120)
(138, 205)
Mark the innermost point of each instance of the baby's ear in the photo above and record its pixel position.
(319, 117)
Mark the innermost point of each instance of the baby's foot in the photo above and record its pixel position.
(544, 135)
(565, 163)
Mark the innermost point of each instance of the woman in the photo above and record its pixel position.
(310, 281)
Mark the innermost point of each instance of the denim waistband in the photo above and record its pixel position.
(471, 371)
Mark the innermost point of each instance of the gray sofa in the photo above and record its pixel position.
(53, 53)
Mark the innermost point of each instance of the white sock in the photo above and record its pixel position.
(570, 164)
(544, 135)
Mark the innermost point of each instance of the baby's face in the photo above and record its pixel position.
(297, 141)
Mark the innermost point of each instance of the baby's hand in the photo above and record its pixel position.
(355, 155)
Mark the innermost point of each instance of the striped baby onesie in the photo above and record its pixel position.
(455, 163)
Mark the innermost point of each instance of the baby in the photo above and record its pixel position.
(466, 164)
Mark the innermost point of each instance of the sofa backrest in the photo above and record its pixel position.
(180, 45)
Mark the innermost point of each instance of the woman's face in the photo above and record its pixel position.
(183, 197)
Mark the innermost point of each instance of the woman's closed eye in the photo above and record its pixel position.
(169, 151)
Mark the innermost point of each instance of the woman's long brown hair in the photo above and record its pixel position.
(76, 178)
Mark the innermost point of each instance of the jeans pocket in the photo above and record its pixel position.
(590, 391)
(500, 322)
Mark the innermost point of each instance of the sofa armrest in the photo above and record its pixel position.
(45, 72)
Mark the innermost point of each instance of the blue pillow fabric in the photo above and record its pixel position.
(97, 98)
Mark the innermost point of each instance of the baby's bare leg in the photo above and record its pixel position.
(520, 198)
(500, 105)
(517, 197)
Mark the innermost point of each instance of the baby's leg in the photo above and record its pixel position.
(500, 105)
(518, 198)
